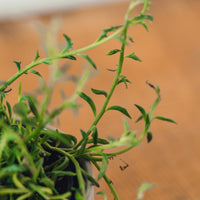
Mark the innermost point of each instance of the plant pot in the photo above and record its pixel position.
(70, 181)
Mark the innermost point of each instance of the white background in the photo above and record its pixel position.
(21, 8)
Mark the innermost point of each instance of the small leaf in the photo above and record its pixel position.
(134, 57)
(150, 85)
(130, 38)
(36, 56)
(18, 65)
(68, 140)
(124, 80)
(35, 72)
(99, 92)
(111, 70)
(90, 178)
(21, 109)
(9, 109)
(70, 57)
(147, 122)
(84, 134)
(89, 101)
(32, 105)
(126, 125)
(149, 136)
(63, 173)
(103, 167)
(120, 109)
(103, 194)
(141, 109)
(85, 141)
(142, 17)
(143, 188)
(144, 25)
(165, 119)
(95, 135)
(47, 62)
(106, 31)
(69, 43)
(89, 60)
(121, 39)
(139, 118)
(114, 51)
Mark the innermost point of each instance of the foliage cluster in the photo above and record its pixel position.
(35, 160)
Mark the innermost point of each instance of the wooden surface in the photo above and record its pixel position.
(170, 54)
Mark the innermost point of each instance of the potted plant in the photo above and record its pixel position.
(40, 162)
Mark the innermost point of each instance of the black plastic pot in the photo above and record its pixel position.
(68, 182)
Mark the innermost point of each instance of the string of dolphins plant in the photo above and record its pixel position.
(27, 170)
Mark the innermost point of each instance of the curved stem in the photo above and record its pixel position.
(108, 181)
(117, 74)
(61, 55)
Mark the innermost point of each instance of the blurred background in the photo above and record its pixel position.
(170, 54)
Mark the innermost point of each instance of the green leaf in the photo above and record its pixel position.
(143, 188)
(114, 51)
(39, 165)
(63, 173)
(69, 43)
(103, 194)
(149, 136)
(126, 125)
(134, 57)
(9, 109)
(78, 195)
(106, 31)
(35, 72)
(153, 107)
(32, 104)
(141, 109)
(70, 57)
(124, 80)
(130, 39)
(21, 109)
(62, 196)
(144, 25)
(139, 119)
(90, 178)
(120, 109)
(47, 182)
(36, 56)
(147, 122)
(18, 65)
(111, 70)
(95, 135)
(89, 101)
(165, 119)
(68, 140)
(85, 141)
(99, 141)
(99, 92)
(84, 134)
(47, 62)
(89, 60)
(121, 39)
(142, 17)
(103, 167)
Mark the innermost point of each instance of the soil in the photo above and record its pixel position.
(170, 54)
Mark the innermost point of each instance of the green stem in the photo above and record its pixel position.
(117, 75)
(61, 55)
(108, 181)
